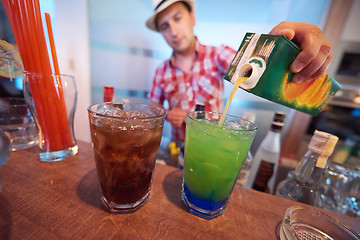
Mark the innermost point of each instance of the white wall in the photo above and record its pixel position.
(73, 50)
(349, 39)
(351, 31)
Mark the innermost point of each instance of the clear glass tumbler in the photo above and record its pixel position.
(16, 121)
(125, 138)
(335, 187)
(213, 159)
(52, 101)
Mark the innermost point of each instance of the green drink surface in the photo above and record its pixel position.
(213, 158)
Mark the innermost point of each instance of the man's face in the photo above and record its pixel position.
(176, 25)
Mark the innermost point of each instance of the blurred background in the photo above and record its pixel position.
(106, 43)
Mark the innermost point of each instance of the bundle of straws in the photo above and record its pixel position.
(47, 94)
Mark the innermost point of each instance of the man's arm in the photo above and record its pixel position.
(175, 116)
(315, 55)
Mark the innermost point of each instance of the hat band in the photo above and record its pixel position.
(159, 4)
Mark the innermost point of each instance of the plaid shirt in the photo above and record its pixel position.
(203, 85)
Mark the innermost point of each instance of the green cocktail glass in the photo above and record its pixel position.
(213, 159)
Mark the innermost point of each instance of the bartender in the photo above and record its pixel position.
(194, 72)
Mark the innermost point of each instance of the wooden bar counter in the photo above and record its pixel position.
(61, 200)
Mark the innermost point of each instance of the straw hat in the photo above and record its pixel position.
(160, 5)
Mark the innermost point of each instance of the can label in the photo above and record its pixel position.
(265, 59)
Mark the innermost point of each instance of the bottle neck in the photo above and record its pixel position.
(307, 172)
(276, 126)
(272, 141)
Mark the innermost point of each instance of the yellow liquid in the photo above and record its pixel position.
(238, 82)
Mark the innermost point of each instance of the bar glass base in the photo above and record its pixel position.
(23, 145)
(200, 212)
(55, 156)
(125, 208)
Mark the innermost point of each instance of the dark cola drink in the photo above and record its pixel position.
(125, 146)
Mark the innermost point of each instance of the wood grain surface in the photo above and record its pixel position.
(61, 200)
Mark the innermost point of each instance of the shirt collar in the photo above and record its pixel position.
(199, 53)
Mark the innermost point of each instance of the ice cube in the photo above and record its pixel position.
(114, 112)
(132, 163)
(136, 127)
(141, 138)
(133, 114)
(100, 141)
(232, 125)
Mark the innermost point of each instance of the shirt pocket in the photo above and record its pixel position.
(177, 95)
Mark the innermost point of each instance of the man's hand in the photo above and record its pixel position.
(176, 117)
(315, 55)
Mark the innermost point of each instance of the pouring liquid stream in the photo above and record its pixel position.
(237, 84)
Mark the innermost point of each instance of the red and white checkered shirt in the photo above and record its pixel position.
(203, 85)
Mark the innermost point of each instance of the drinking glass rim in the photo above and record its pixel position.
(49, 74)
(7, 104)
(254, 127)
(158, 115)
(291, 217)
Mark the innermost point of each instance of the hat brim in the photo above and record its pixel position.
(150, 23)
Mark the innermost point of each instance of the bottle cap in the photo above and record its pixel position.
(279, 117)
(322, 143)
(253, 70)
(200, 107)
(278, 121)
(277, 126)
(108, 93)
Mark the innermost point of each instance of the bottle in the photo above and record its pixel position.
(344, 151)
(303, 184)
(265, 164)
(108, 93)
(245, 170)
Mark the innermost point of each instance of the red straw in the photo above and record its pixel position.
(41, 86)
(52, 44)
(25, 19)
(67, 141)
